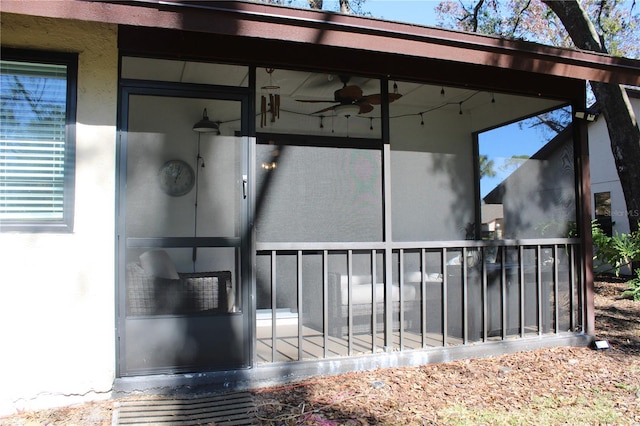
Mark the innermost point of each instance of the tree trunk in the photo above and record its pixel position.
(345, 7)
(625, 143)
(614, 105)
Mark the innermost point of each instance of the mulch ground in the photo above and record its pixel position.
(550, 386)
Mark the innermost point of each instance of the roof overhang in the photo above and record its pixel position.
(306, 28)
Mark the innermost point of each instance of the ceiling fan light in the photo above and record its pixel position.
(347, 110)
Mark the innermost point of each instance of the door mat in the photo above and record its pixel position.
(236, 408)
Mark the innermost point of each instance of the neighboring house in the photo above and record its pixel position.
(231, 194)
(545, 183)
(609, 205)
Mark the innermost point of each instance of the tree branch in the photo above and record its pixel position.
(519, 18)
(476, 11)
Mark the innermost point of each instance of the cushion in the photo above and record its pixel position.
(361, 290)
(231, 298)
(356, 279)
(361, 293)
(158, 263)
(416, 277)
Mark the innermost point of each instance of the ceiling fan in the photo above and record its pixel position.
(353, 95)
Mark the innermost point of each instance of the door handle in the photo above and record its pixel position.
(244, 186)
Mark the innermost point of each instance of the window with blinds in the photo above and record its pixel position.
(36, 144)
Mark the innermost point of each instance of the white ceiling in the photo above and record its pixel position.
(296, 86)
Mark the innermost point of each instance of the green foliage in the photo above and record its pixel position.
(614, 253)
(633, 286)
(487, 167)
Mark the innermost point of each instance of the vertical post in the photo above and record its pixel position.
(485, 298)
(584, 221)
(539, 287)
(299, 284)
(503, 290)
(465, 301)
(401, 296)
(445, 282)
(325, 303)
(572, 288)
(388, 295)
(350, 302)
(423, 292)
(248, 261)
(521, 279)
(388, 252)
(273, 306)
(556, 304)
(374, 301)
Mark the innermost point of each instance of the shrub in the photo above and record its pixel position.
(614, 253)
(633, 287)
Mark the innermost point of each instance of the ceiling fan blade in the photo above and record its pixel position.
(348, 93)
(373, 99)
(376, 99)
(394, 97)
(365, 107)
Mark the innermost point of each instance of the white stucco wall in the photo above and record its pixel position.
(57, 310)
(604, 177)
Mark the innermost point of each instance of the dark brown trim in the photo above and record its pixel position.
(319, 28)
(584, 222)
(275, 53)
(266, 138)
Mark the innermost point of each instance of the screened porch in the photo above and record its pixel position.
(460, 230)
(362, 216)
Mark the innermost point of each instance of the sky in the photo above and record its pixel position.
(411, 11)
(419, 12)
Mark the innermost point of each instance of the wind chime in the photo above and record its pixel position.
(270, 101)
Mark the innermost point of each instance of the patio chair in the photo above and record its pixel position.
(154, 287)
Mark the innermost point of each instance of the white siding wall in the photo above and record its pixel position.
(57, 294)
(604, 177)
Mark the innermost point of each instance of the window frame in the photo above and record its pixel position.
(605, 221)
(70, 61)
